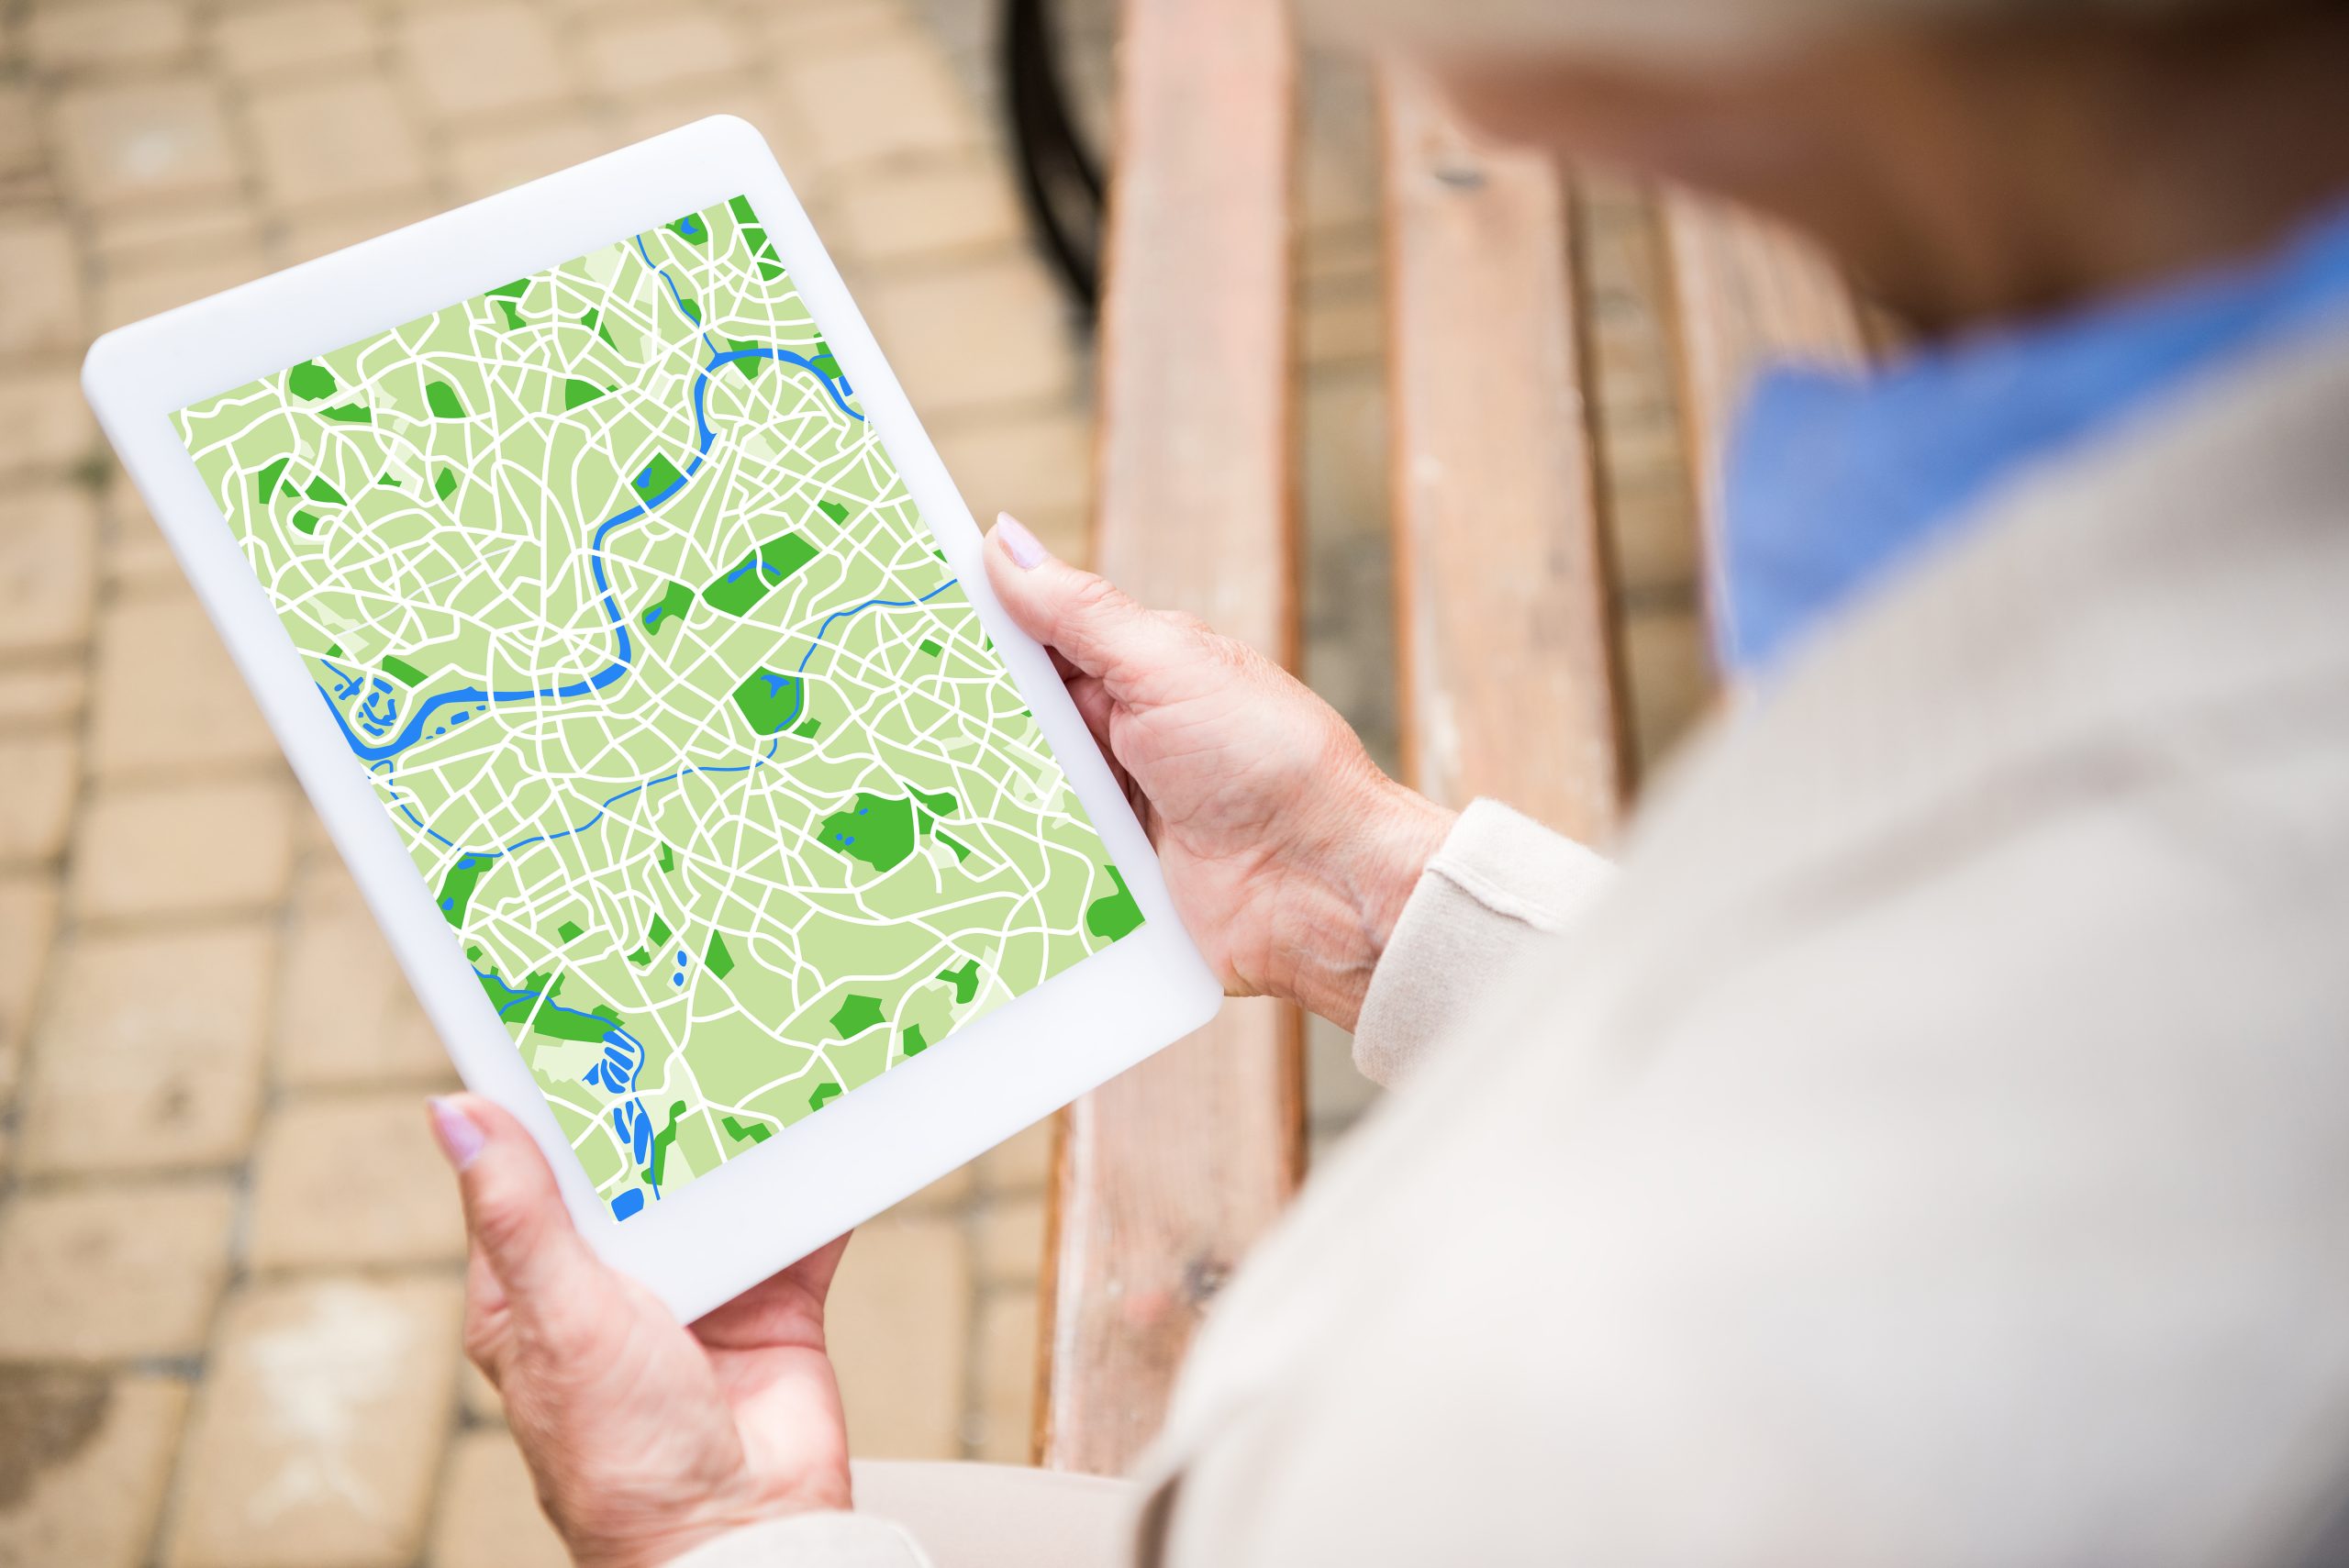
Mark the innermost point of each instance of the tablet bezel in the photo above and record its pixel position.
(995, 1075)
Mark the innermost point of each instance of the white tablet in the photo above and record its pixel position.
(635, 647)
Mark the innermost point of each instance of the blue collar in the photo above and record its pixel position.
(1833, 480)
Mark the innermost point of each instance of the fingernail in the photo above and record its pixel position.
(1026, 551)
(459, 1138)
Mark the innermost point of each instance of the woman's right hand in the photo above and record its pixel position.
(1289, 854)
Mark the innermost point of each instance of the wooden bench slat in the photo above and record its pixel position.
(1500, 580)
(1746, 291)
(1163, 1178)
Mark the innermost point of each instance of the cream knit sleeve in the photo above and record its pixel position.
(1500, 883)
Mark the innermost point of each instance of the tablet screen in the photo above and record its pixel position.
(728, 798)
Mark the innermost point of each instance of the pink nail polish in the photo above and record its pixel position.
(459, 1138)
(1026, 551)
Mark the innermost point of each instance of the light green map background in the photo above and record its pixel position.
(751, 818)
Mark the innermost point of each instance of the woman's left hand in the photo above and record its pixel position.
(646, 1438)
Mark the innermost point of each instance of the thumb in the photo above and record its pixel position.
(1095, 624)
(513, 1209)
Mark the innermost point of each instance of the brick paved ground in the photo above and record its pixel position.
(228, 1327)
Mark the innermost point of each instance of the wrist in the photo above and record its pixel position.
(1342, 895)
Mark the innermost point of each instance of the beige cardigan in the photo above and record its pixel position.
(1932, 1148)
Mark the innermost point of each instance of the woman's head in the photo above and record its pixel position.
(1965, 158)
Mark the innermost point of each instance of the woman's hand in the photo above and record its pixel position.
(646, 1438)
(1289, 854)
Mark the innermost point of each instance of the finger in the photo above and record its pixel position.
(785, 1309)
(1095, 626)
(485, 1318)
(512, 1208)
(1093, 704)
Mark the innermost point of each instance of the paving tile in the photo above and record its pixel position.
(44, 425)
(181, 849)
(155, 240)
(41, 694)
(638, 54)
(949, 1191)
(1336, 1094)
(29, 904)
(353, 1181)
(929, 209)
(323, 141)
(136, 291)
(1343, 420)
(985, 335)
(478, 1397)
(346, 1017)
(1667, 659)
(143, 141)
(481, 61)
(133, 556)
(487, 162)
(489, 1515)
(113, 1272)
(48, 565)
(22, 157)
(1005, 1416)
(40, 310)
(1654, 537)
(272, 42)
(899, 1323)
(167, 697)
(87, 1458)
(1344, 322)
(321, 1426)
(38, 775)
(148, 1051)
(309, 833)
(323, 229)
(902, 67)
(1023, 1163)
(1035, 464)
(106, 35)
(789, 29)
(753, 98)
(1011, 1240)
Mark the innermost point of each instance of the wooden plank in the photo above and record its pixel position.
(1747, 291)
(1164, 1177)
(1500, 580)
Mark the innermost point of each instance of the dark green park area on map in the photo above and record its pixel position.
(769, 702)
(660, 477)
(747, 583)
(964, 978)
(310, 380)
(1112, 917)
(673, 604)
(875, 828)
(457, 890)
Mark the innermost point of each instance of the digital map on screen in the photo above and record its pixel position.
(725, 794)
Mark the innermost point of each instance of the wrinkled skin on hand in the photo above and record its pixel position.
(1289, 854)
(645, 1438)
